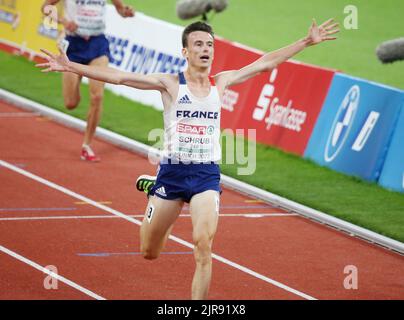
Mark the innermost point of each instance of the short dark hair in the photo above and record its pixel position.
(196, 26)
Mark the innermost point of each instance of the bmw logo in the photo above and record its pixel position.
(342, 124)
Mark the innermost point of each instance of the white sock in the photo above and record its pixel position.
(88, 149)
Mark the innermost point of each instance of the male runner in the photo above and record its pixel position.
(84, 23)
(192, 104)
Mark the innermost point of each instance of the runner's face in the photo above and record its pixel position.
(200, 49)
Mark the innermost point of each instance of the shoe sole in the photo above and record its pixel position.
(84, 159)
(145, 176)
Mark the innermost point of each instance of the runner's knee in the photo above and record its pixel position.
(96, 98)
(149, 254)
(203, 251)
(71, 103)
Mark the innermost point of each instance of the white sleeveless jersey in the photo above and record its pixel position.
(192, 126)
(89, 15)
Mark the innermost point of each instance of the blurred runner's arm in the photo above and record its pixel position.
(124, 10)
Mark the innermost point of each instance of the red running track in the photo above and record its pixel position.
(98, 250)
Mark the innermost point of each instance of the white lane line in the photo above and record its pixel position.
(52, 274)
(139, 223)
(243, 215)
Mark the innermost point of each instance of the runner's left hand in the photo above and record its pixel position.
(126, 11)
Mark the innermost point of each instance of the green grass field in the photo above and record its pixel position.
(266, 25)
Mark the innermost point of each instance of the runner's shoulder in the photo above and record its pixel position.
(168, 80)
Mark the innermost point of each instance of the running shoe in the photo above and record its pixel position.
(145, 183)
(87, 154)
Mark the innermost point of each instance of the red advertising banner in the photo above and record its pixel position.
(282, 105)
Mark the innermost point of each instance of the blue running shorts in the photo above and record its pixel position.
(183, 181)
(84, 51)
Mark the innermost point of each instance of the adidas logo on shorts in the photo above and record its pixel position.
(185, 100)
(161, 191)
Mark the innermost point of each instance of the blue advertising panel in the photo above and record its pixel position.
(355, 126)
(392, 176)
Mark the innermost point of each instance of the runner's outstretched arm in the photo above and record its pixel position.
(316, 35)
(61, 63)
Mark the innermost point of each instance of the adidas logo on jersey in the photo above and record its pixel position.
(185, 100)
(161, 191)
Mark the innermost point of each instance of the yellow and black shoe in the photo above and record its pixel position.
(145, 183)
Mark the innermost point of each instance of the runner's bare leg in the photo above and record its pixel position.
(204, 208)
(71, 89)
(96, 99)
(159, 218)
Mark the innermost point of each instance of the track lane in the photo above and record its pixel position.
(282, 246)
(20, 281)
(63, 235)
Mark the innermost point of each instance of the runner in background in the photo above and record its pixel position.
(85, 43)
